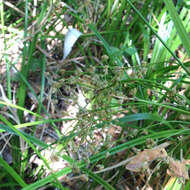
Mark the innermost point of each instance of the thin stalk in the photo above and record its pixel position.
(22, 89)
(5, 55)
(15, 141)
(43, 67)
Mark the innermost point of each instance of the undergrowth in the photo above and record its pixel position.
(97, 119)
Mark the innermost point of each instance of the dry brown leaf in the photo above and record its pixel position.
(144, 158)
(178, 168)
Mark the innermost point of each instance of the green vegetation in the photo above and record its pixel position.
(119, 97)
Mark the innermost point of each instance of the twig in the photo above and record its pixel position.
(124, 162)
(8, 4)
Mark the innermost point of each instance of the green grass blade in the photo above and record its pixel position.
(42, 78)
(164, 44)
(30, 137)
(178, 25)
(22, 89)
(140, 116)
(12, 172)
(101, 155)
(107, 47)
(173, 185)
(30, 144)
(135, 142)
(165, 106)
(40, 122)
(33, 92)
(47, 179)
(20, 108)
(187, 186)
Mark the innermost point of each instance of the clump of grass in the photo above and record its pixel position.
(76, 122)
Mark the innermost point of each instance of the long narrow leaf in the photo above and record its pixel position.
(164, 44)
(178, 25)
(101, 155)
(30, 144)
(12, 172)
(47, 179)
(30, 137)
